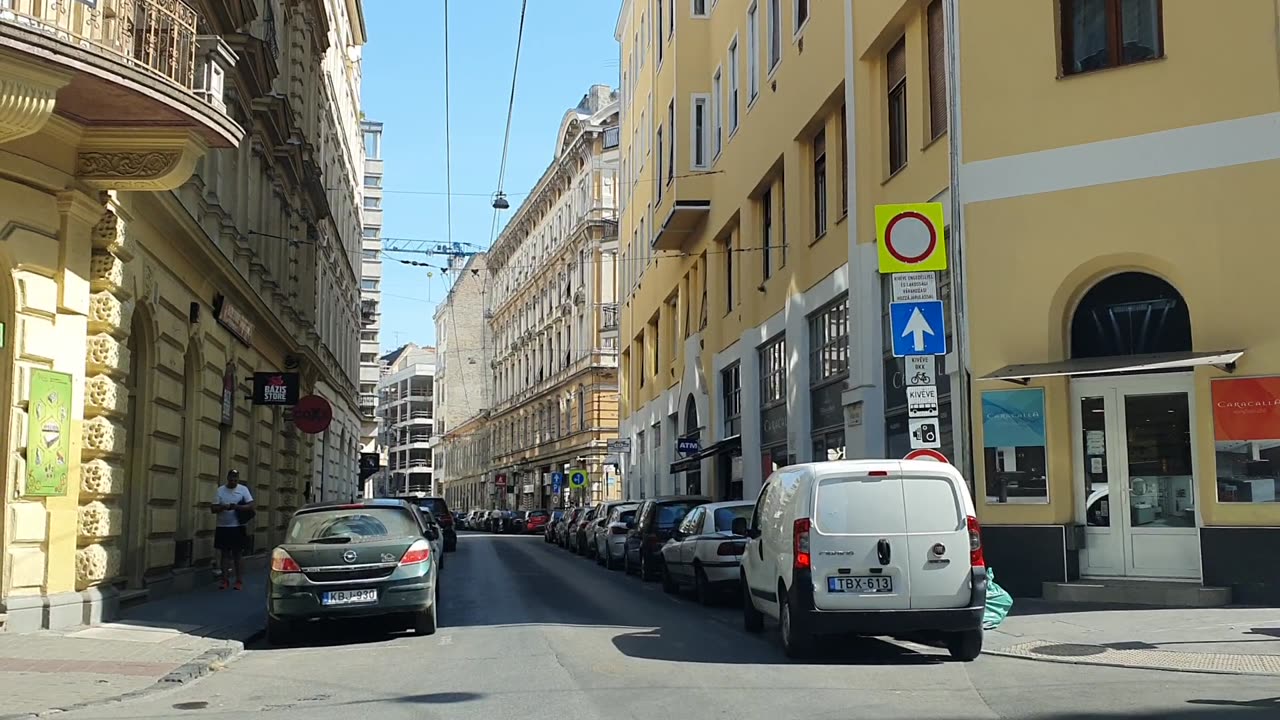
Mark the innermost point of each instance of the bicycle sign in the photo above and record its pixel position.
(920, 370)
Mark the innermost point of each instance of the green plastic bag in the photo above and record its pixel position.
(999, 603)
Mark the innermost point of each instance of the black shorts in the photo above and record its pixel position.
(229, 538)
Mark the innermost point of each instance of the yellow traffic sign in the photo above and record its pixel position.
(577, 478)
(910, 237)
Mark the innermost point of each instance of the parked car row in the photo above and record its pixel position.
(860, 547)
(515, 522)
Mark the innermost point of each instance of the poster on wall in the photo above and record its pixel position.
(1013, 440)
(48, 434)
(1246, 433)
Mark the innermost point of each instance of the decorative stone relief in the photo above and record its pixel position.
(110, 159)
(149, 289)
(103, 437)
(97, 520)
(106, 271)
(95, 563)
(27, 96)
(99, 478)
(109, 314)
(106, 355)
(110, 236)
(104, 396)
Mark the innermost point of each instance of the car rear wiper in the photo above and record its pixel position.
(332, 540)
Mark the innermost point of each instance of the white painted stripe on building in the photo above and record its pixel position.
(1168, 152)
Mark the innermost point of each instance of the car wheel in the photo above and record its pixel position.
(279, 632)
(609, 562)
(965, 646)
(669, 585)
(752, 619)
(795, 643)
(702, 586)
(424, 623)
(647, 572)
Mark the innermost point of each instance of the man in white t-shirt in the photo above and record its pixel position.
(230, 536)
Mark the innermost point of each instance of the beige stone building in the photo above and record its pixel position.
(175, 187)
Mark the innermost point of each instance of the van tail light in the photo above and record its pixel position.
(730, 549)
(800, 544)
(975, 543)
(282, 562)
(418, 553)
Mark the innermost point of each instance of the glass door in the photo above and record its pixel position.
(1135, 476)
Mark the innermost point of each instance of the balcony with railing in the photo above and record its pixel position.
(609, 317)
(139, 77)
(368, 404)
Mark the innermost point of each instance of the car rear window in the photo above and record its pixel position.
(354, 525)
(437, 506)
(860, 505)
(726, 515)
(932, 505)
(627, 516)
(539, 513)
(670, 514)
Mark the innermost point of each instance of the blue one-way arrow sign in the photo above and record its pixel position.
(919, 328)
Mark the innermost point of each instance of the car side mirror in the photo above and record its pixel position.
(740, 527)
(631, 524)
(754, 533)
(431, 534)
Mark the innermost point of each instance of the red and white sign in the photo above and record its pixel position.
(926, 454)
(312, 414)
(1246, 409)
(500, 480)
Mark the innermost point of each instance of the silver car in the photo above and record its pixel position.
(611, 536)
(704, 553)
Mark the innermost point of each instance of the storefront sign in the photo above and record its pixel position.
(230, 317)
(48, 433)
(773, 425)
(1013, 438)
(500, 480)
(312, 414)
(276, 388)
(826, 406)
(688, 446)
(1246, 429)
(228, 393)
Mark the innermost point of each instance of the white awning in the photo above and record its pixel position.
(1121, 364)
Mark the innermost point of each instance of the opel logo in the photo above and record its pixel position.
(349, 556)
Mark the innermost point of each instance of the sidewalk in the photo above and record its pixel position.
(169, 640)
(1236, 641)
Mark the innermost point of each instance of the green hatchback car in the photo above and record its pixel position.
(348, 560)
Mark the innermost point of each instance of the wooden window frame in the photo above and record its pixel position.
(937, 68)
(897, 92)
(821, 215)
(1115, 44)
(766, 233)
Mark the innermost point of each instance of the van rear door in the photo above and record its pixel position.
(938, 539)
(858, 541)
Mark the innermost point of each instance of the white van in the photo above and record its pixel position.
(868, 547)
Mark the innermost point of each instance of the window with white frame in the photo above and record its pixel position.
(753, 51)
(700, 128)
(671, 148)
(801, 15)
(658, 147)
(733, 85)
(699, 8)
(717, 114)
(775, 33)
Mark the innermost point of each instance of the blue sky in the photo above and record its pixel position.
(568, 46)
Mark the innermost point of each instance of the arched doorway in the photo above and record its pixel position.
(1135, 470)
(692, 431)
(137, 484)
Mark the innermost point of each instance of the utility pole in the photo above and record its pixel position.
(962, 394)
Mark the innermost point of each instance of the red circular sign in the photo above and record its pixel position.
(927, 454)
(916, 257)
(312, 414)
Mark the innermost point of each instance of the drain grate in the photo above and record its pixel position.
(1068, 650)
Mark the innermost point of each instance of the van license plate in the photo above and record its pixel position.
(349, 597)
(860, 584)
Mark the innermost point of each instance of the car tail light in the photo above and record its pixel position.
(878, 473)
(975, 543)
(282, 562)
(800, 541)
(418, 553)
(730, 548)
(446, 519)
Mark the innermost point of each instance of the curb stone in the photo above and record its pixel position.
(1114, 664)
(202, 665)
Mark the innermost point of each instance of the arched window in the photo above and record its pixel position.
(1131, 313)
(691, 424)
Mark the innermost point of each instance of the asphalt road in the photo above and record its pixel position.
(531, 631)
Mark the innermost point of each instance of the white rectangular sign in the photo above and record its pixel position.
(921, 370)
(619, 445)
(915, 286)
(922, 401)
(925, 433)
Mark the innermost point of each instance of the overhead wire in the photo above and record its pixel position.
(448, 183)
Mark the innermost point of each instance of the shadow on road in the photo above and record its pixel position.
(661, 644)
(1209, 710)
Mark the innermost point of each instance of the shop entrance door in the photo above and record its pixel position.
(1135, 483)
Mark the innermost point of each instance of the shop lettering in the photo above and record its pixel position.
(1032, 415)
(1248, 404)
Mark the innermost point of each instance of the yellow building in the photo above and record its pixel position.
(735, 247)
(552, 309)
(148, 272)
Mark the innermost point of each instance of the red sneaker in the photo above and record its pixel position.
(223, 584)
(239, 585)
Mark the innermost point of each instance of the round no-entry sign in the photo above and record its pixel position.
(927, 454)
(312, 414)
(911, 237)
